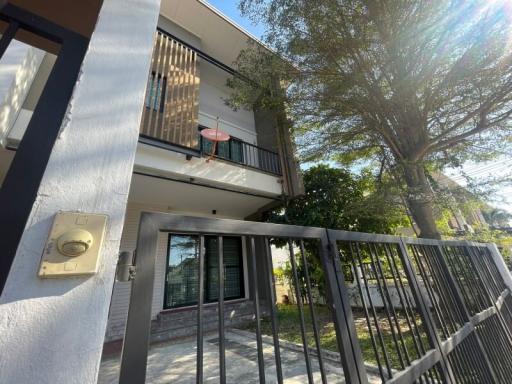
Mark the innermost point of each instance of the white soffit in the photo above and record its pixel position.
(193, 199)
(220, 37)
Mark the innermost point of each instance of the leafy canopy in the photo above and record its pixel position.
(416, 80)
(335, 198)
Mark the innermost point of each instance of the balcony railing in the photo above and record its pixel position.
(241, 152)
(170, 117)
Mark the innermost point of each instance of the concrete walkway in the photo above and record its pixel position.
(175, 362)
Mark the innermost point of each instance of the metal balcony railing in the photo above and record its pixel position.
(241, 152)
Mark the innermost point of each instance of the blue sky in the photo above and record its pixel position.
(499, 167)
(230, 9)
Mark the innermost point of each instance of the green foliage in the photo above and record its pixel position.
(501, 238)
(406, 84)
(335, 198)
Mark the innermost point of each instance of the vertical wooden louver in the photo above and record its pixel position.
(172, 94)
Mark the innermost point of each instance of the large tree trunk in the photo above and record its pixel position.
(420, 200)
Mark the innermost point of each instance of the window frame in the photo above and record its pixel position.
(161, 85)
(193, 304)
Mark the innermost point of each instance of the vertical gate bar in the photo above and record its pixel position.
(367, 315)
(404, 300)
(298, 297)
(488, 291)
(273, 310)
(7, 36)
(430, 260)
(473, 259)
(468, 296)
(468, 269)
(259, 341)
(461, 357)
(313, 315)
(222, 341)
(418, 347)
(386, 297)
(432, 296)
(494, 284)
(374, 313)
(339, 302)
(418, 295)
(199, 362)
(138, 324)
(441, 259)
(441, 282)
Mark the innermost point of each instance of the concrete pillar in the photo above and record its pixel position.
(500, 263)
(51, 331)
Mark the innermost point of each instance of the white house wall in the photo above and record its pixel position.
(121, 293)
(212, 95)
(216, 172)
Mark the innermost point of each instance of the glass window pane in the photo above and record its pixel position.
(236, 151)
(182, 276)
(182, 271)
(233, 284)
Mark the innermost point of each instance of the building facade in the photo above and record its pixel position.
(150, 77)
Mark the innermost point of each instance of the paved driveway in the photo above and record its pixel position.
(175, 362)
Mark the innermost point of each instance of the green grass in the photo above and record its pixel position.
(289, 329)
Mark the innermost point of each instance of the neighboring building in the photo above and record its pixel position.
(461, 221)
(189, 60)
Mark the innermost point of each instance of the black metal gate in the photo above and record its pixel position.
(426, 311)
(19, 189)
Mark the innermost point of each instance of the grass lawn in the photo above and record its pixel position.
(289, 329)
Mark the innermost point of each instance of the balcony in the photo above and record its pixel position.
(171, 117)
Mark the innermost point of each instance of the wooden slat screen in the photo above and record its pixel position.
(172, 94)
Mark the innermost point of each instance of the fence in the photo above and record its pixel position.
(449, 321)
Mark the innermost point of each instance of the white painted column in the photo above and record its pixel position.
(51, 331)
(500, 263)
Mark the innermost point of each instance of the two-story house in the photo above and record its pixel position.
(186, 58)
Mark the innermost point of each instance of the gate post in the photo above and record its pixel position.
(500, 264)
(339, 301)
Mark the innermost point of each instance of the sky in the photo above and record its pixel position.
(499, 167)
(230, 9)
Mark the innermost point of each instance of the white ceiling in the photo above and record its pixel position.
(192, 199)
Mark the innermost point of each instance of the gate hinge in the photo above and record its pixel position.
(125, 269)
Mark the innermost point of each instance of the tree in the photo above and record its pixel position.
(335, 198)
(412, 84)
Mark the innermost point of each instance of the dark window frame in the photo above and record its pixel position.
(206, 274)
(232, 140)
